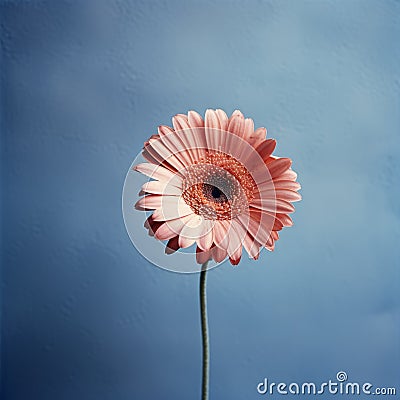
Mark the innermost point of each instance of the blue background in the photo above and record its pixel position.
(84, 83)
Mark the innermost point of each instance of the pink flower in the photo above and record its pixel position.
(216, 184)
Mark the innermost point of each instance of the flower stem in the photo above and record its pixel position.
(204, 332)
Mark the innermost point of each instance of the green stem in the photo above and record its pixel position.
(204, 332)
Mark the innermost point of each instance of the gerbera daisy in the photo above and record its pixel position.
(216, 184)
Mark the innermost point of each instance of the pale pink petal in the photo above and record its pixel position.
(205, 241)
(157, 187)
(192, 143)
(150, 202)
(197, 124)
(186, 137)
(273, 205)
(236, 123)
(262, 176)
(152, 156)
(185, 242)
(218, 254)
(172, 207)
(171, 228)
(259, 225)
(221, 234)
(234, 244)
(254, 163)
(164, 130)
(223, 119)
(266, 148)
(253, 248)
(180, 122)
(212, 127)
(174, 143)
(166, 154)
(257, 136)
(278, 225)
(275, 235)
(279, 166)
(233, 240)
(248, 128)
(192, 230)
(251, 245)
(270, 246)
(286, 184)
(236, 240)
(266, 190)
(172, 245)
(287, 175)
(156, 137)
(159, 173)
(239, 149)
(151, 225)
(195, 119)
(268, 194)
(202, 256)
(285, 219)
(288, 195)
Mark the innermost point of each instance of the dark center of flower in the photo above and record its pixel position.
(218, 187)
(216, 193)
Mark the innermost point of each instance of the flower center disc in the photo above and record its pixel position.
(218, 187)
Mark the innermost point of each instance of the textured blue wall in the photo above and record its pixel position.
(84, 83)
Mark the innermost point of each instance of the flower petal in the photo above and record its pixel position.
(236, 123)
(151, 225)
(220, 234)
(205, 241)
(257, 136)
(279, 166)
(192, 231)
(164, 188)
(195, 120)
(259, 225)
(218, 254)
(167, 155)
(286, 184)
(288, 195)
(180, 122)
(238, 234)
(273, 205)
(202, 256)
(287, 175)
(285, 219)
(212, 127)
(197, 124)
(250, 244)
(159, 173)
(172, 245)
(172, 207)
(223, 119)
(248, 128)
(266, 148)
(174, 143)
(150, 202)
(172, 228)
